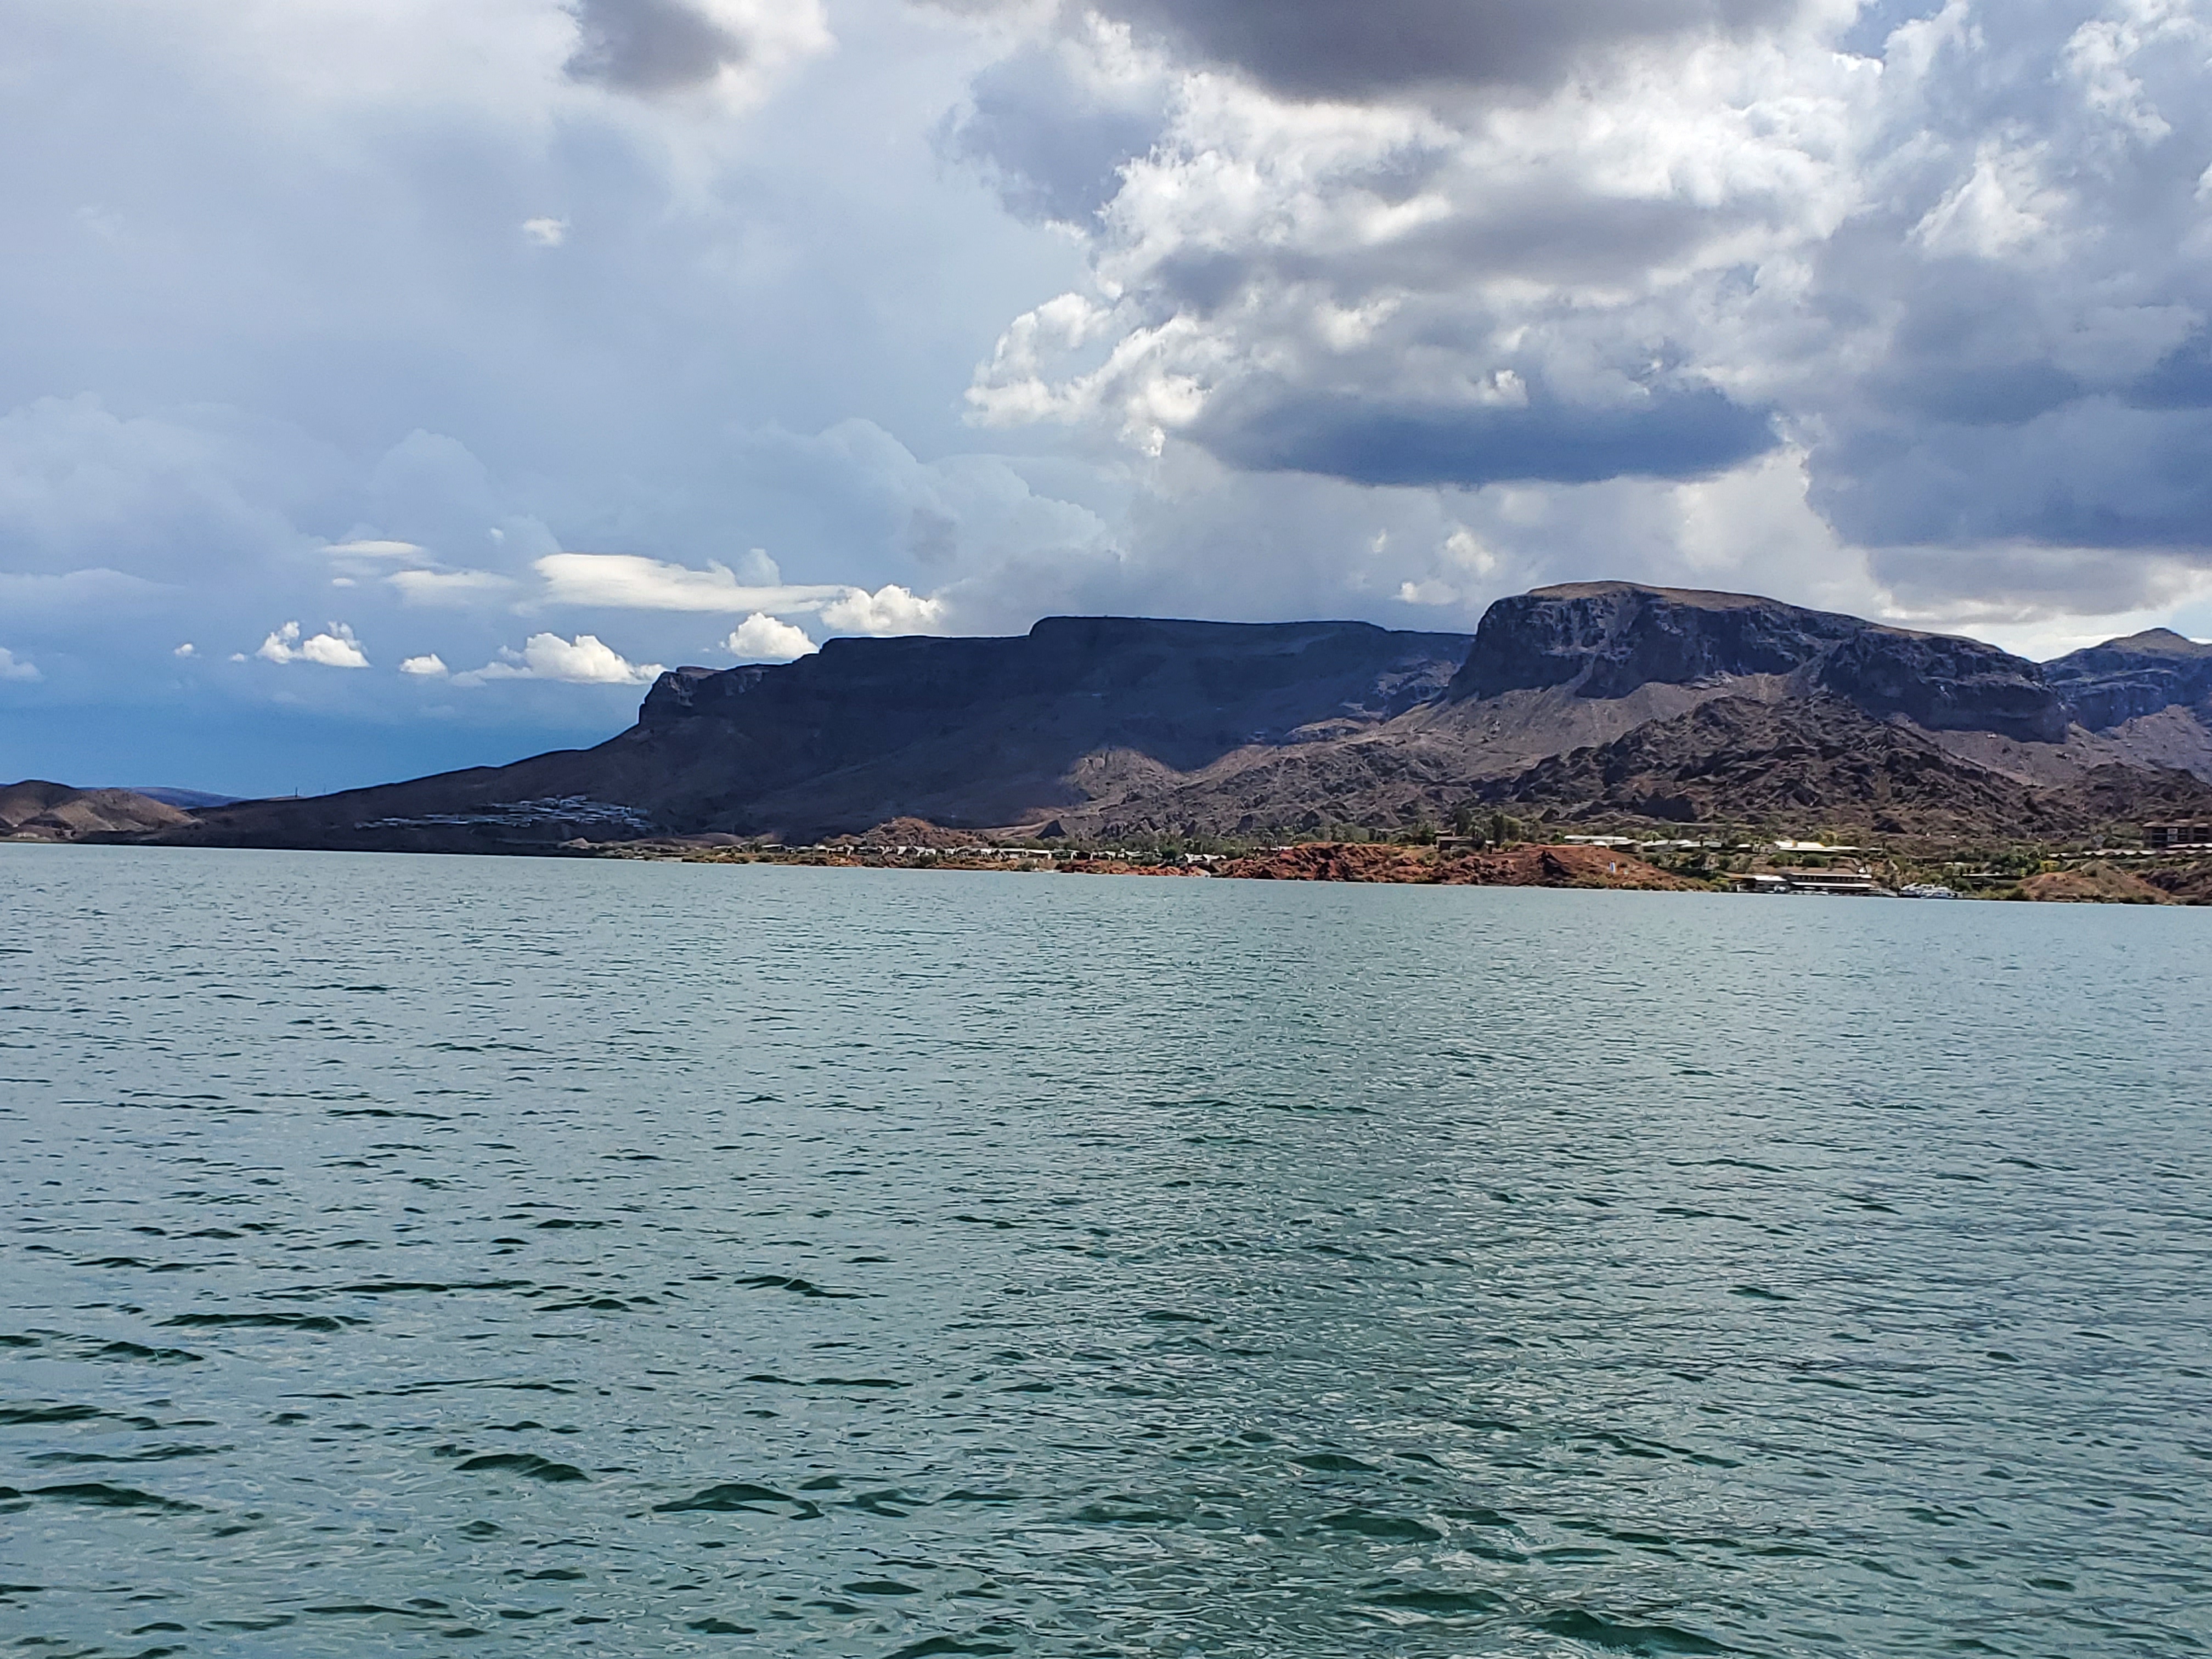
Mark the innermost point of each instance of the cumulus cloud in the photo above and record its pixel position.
(583, 660)
(761, 638)
(13, 667)
(1953, 265)
(430, 665)
(631, 582)
(546, 232)
(889, 609)
(335, 647)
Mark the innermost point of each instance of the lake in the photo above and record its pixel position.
(688, 1259)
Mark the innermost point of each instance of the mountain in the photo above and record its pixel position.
(968, 732)
(1823, 760)
(1585, 701)
(1607, 639)
(37, 810)
(2107, 685)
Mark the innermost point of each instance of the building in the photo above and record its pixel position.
(2173, 837)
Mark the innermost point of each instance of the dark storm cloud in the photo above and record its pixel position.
(649, 46)
(1693, 432)
(2094, 472)
(1052, 142)
(2180, 380)
(1333, 49)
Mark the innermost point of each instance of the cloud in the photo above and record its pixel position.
(375, 547)
(546, 232)
(889, 609)
(13, 667)
(1326, 49)
(761, 638)
(1053, 125)
(1677, 433)
(449, 587)
(1953, 265)
(652, 48)
(583, 660)
(630, 582)
(429, 666)
(187, 649)
(1903, 306)
(334, 648)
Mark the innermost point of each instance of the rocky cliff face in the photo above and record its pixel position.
(2109, 684)
(1206, 685)
(1607, 639)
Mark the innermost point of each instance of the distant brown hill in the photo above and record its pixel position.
(1588, 701)
(37, 810)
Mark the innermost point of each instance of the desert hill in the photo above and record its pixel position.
(34, 810)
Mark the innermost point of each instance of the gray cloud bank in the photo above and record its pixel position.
(1955, 257)
(1328, 49)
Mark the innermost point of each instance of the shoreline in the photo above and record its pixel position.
(2183, 880)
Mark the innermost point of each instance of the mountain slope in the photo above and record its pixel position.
(34, 810)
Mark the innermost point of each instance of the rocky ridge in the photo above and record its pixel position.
(1584, 701)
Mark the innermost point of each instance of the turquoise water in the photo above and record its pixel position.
(659, 1259)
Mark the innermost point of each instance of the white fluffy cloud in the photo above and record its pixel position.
(583, 660)
(889, 609)
(761, 638)
(335, 647)
(429, 666)
(13, 667)
(628, 582)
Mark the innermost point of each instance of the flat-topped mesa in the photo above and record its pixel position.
(1605, 639)
(1277, 674)
(2106, 685)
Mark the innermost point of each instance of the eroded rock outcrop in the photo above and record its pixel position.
(1607, 639)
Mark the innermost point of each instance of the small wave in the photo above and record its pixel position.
(796, 1286)
(278, 1322)
(1578, 1625)
(528, 1465)
(100, 1495)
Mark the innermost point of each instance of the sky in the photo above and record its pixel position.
(394, 385)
